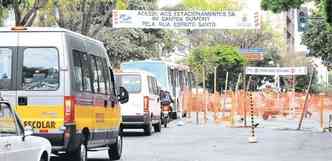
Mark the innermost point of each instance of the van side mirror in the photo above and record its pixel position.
(123, 96)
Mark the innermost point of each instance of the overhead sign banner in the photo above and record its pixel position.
(281, 71)
(186, 19)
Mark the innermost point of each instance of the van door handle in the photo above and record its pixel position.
(22, 101)
(112, 103)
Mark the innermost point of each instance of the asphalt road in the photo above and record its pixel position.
(212, 142)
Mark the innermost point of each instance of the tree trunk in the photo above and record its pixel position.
(17, 13)
(30, 16)
(108, 15)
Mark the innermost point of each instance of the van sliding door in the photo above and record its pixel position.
(40, 95)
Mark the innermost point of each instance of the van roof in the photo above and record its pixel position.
(172, 65)
(135, 71)
(49, 29)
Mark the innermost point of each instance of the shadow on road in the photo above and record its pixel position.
(90, 159)
(125, 134)
(133, 134)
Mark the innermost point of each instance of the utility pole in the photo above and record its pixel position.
(215, 80)
(305, 106)
(204, 95)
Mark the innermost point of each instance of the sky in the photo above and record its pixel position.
(252, 4)
(163, 3)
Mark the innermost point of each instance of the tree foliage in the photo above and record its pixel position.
(278, 6)
(327, 10)
(25, 10)
(211, 4)
(93, 18)
(226, 58)
(318, 39)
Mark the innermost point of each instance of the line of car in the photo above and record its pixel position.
(141, 111)
(64, 89)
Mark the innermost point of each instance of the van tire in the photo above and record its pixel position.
(148, 129)
(115, 149)
(165, 122)
(81, 154)
(157, 127)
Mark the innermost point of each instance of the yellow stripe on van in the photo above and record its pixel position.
(42, 116)
(52, 116)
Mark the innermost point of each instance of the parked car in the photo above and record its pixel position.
(143, 108)
(17, 143)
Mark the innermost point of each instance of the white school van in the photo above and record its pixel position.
(61, 84)
(143, 109)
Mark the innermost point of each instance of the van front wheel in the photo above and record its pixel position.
(148, 129)
(115, 149)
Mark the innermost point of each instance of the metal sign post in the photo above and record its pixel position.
(252, 138)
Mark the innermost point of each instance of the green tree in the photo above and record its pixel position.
(211, 4)
(94, 19)
(278, 6)
(327, 10)
(318, 38)
(25, 10)
(226, 58)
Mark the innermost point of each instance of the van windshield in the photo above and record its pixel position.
(131, 82)
(5, 68)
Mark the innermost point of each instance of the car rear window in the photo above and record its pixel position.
(5, 68)
(131, 82)
(40, 69)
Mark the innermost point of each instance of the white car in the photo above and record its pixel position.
(16, 143)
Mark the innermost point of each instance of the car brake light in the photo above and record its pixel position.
(146, 104)
(69, 109)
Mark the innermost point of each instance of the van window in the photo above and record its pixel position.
(150, 84)
(155, 87)
(87, 85)
(5, 68)
(107, 74)
(101, 76)
(95, 79)
(40, 69)
(77, 70)
(131, 82)
(82, 72)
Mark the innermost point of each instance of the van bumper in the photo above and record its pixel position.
(60, 143)
(137, 121)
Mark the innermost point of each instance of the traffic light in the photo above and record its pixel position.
(302, 19)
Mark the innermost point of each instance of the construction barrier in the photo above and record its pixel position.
(225, 106)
